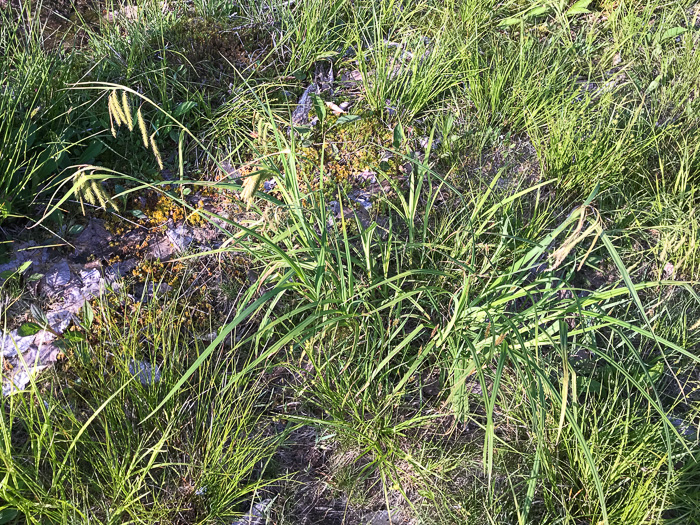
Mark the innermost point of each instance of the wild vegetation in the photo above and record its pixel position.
(450, 272)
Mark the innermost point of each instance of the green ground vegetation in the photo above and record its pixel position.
(509, 335)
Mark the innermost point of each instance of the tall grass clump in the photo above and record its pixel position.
(30, 151)
(81, 449)
(405, 71)
(462, 291)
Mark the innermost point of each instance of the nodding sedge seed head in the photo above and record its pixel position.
(102, 197)
(97, 194)
(142, 127)
(155, 151)
(250, 186)
(127, 111)
(116, 110)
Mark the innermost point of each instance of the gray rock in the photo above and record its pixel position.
(19, 380)
(59, 320)
(161, 249)
(324, 76)
(334, 208)
(39, 357)
(146, 373)
(15, 262)
(93, 239)
(367, 176)
(29, 355)
(301, 113)
(687, 431)
(11, 344)
(146, 293)
(15, 384)
(73, 299)
(91, 279)
(208, 337)
(159, 288)
(180, 237)
(362, 198)
(120, 269)
(424, 141)
(256, 516)
(352, 77)
(43, 337)
(382, 517)
(669, 271)
(58, 276)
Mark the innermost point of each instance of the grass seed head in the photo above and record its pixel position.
(127, 112)
(156, 152)
(142, 127)
(115, 109)
(250, 186)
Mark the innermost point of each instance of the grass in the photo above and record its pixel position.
(508, 335)
(87, 432)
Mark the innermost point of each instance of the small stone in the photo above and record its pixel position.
(18, 381)
(685, 430)
(11, 344)
(58, 276)
(383, 517)
(352, 76)
(41, 356)
(367, 176)
(669, 270)
(59, 320)
(362, 198)
(146, 373)
(120, 269)
(256, 516)
(159, 288)
(91, 279)
(147, 292)
(43, 337)
(14, 263)
(300, 116)
(180, 237)
(208, 337)
(93, 239)
(15, 384)
(334, 208)
(161, 249)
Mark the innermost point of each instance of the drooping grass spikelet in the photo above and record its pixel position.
(118, 109)
(102, 197)
(88, 190)
(115, 109)
(88, 194)
(113, 118)
(127, 112)
(156, 152)
(250, 186)
(97, 193)
(79, 184)
(142, 127)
